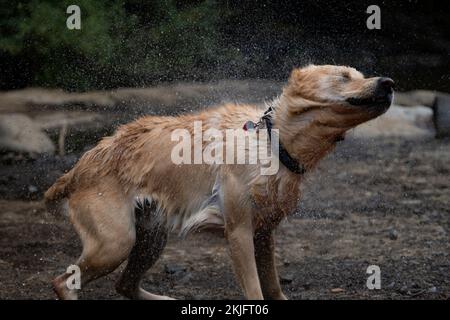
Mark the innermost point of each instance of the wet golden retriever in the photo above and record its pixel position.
(125, 194)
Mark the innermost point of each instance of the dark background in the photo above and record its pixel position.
(139, 43)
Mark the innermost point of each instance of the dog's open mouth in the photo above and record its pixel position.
(382, 102)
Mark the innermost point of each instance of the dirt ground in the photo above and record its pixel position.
(381, 201)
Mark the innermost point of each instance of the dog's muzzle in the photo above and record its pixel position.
(381, 98)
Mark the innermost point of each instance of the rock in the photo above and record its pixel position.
(174, 269)
(286, 278)
(19, 133)
(393, 234)
(411, 202)
(306, 286)
(337, 290)
(399, 122)
(32, 189)
(433, 290)
(403, 290)
(441, 117)
(4, 263)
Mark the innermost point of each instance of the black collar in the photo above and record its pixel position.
(292, 164)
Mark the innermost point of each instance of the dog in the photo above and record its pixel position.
(125, 195)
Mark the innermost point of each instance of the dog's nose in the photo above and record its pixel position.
(385, 85)
(386, 82)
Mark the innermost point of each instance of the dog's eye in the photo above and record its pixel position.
(346, 76)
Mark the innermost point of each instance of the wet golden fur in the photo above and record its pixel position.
(100, 191)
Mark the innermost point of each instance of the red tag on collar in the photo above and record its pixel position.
(249, 126)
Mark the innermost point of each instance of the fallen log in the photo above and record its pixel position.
(415, 98)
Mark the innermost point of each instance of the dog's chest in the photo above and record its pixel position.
(277, 198)
(273, 199)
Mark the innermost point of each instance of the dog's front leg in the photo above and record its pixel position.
(265, 261)
(242, 252)
(239, 231)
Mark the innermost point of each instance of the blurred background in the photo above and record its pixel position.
(382, 198)
(138, 43)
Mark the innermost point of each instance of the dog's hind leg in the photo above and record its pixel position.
(104, 220)
(151, 238)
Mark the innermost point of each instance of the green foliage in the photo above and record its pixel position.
(120, 42)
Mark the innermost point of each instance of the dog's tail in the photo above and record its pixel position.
(55, 196)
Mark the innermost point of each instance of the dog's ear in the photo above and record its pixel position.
(297, 80)
(296, 75)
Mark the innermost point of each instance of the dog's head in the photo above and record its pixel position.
(337, 96)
